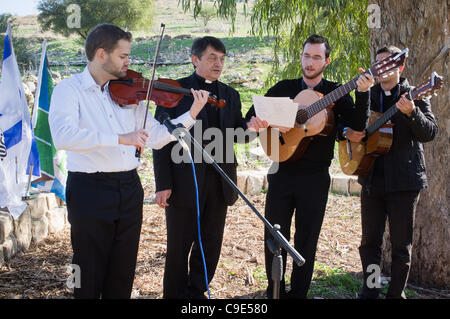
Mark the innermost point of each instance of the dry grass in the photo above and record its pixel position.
(41, 272)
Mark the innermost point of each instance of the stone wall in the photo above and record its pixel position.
(44, 215)
(254, 182)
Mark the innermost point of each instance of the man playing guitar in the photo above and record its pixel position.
(302, 185)
(391, 188)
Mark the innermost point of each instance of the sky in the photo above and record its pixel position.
(19, 7)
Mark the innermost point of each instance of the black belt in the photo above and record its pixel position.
(112, 175)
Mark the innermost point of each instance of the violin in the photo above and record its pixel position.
(166, 92)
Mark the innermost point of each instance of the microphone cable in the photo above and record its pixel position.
(186, 148)
(165, 120)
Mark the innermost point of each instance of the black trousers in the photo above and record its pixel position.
(105, 214)
(184, 272)
(307, 195)
(377, 205)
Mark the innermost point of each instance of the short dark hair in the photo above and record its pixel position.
(318, 39)
(391, 49)
(104, 36)
(200, 44)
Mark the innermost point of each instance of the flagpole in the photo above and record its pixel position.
(27, 194)
(38, 85)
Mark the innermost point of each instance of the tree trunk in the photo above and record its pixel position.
(422, 26)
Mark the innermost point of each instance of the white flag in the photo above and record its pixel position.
(15, 123)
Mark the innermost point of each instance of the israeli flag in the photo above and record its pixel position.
(15, 123)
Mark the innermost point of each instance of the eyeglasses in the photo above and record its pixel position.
(212, 58)
(314, 57)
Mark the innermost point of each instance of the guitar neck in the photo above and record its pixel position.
(381, 120)
(387, 116)
(330, 98)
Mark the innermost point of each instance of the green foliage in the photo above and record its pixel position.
(333, 283)
(128, 14)
(24, 58)
(343, 22)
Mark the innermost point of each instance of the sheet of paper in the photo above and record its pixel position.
(280, 111)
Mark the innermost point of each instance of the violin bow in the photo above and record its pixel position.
(150, 86)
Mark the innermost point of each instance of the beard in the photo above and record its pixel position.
(314, 75)
(114, 70)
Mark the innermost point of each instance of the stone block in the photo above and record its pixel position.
(354, 188)
(2, 258)
(242, 181)
(38, 206)
(6, 225)
(39, 229)
(9, 247)
(339, 184)
(22, 230)
(51, 201)
(56, 219)
(255, 182)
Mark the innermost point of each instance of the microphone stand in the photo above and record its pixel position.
(278, 242)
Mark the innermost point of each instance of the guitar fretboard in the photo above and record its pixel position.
(387, 115)
(330, 98)
(381, 120)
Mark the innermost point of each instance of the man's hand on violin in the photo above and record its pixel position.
(137, 138)
(200, 100)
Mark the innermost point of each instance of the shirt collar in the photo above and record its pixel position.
(316, 88)
(87, 81)
(202, 80)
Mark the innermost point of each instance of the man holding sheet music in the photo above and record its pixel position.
(303, 185)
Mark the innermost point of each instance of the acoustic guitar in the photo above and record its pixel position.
(315, 116)
(358, 158)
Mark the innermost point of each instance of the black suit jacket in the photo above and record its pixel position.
(178, 176)
(404, 164)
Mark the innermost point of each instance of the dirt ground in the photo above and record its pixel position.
(41, 272)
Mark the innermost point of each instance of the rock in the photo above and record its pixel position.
(183, 36)
(2, 258)
(28, 94)
(38, 206)
(39, 229)
(31, 86)
(6, 225)
(56, 219)
(339, 184)
(9, 247)
(255, 183)
(242, 181)
(51, 201)
(22, 230)
(354, 188)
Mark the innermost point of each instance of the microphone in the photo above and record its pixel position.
(164, 119)
(174, 129)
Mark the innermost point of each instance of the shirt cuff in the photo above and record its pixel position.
(185, 119)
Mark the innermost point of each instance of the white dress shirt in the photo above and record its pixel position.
(86, 123)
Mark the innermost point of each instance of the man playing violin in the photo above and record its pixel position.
(302, 185)
(391, 188)
(184, 272)
(104, 193)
